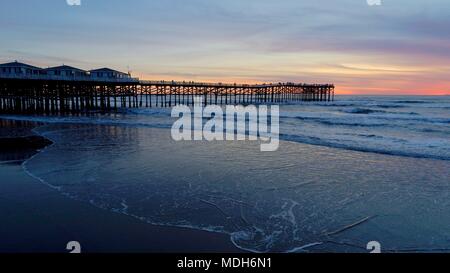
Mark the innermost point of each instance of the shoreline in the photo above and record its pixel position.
(38, 218)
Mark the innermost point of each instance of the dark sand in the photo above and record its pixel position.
(37, 218)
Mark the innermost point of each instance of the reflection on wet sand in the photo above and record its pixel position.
(301, 195)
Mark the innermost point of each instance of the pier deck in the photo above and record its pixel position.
(29, 95)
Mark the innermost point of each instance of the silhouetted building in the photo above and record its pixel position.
(66, 71)
(19, 69)
(107, 73)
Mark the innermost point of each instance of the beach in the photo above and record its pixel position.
(346, 173)
(38, 219)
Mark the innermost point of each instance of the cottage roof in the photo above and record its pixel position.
(65, 67)
(19, 64)
(105, 69)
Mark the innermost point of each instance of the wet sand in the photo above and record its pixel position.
(37, 218)
(300, 196)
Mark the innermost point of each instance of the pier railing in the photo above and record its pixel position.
(192, 83)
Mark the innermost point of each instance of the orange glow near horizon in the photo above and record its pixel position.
(348, 90)
(352, 74)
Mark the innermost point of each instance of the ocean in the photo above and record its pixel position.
(347, 172)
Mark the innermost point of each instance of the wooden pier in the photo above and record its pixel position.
(37, 94)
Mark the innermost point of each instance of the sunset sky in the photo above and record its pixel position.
(400, 47)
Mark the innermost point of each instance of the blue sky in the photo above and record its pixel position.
(400, 47)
